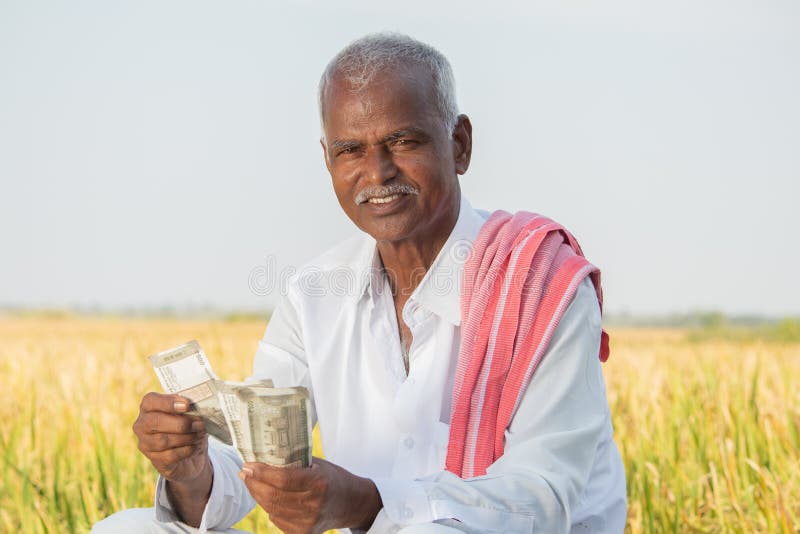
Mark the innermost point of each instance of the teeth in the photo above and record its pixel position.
(382, 200)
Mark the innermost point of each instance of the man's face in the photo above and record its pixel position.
(393, 164)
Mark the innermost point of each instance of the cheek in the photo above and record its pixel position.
(344, 174)
(342, 181)
(344, 194)
(419, 169)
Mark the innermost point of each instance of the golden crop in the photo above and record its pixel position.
(709, 430)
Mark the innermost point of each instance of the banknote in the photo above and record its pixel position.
(278, 423)
(185, 370)
(264, 423)
(229, 401)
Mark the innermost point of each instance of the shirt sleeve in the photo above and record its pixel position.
(549, 452)
(280, 356)
(229, 501)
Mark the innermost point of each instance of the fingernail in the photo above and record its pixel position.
(180, 406)
(245, 472)
(197, 426)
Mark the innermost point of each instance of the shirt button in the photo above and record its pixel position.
(409, 442)
(407, 513)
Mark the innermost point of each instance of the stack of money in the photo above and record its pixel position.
(264, 423)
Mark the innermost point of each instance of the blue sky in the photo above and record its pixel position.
(158, 152)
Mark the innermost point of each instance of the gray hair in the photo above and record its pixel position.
(362, 59)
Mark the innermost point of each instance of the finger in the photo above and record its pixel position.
(160, 402)
(164, 423)
(295, 523)
(169, 458)
(284, 478)
(319, 463)
(278, 502)
(162, 442)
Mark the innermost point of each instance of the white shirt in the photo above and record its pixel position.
(335, 332)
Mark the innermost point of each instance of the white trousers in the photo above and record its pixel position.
(143, 521)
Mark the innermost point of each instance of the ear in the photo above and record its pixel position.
(462, 144)
(325, 154)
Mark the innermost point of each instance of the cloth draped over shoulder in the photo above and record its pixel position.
(519, 278)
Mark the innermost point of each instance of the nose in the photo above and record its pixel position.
(379, 165)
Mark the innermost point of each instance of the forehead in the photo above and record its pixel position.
(397, 97)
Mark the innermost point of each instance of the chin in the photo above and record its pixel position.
(387, 232)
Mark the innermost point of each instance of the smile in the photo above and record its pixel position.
(383, 200)
(385, 195)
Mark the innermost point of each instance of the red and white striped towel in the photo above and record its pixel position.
(521, 275)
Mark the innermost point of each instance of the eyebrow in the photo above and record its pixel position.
(341, 144)
(337, 145)
(405, 132)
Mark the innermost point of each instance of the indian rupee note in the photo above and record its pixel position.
(185, 370)
(231, 407)
(279, 424)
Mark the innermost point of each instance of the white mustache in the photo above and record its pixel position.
(377, 191)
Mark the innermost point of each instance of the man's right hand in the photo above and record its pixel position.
(175, 443)
(177, 446)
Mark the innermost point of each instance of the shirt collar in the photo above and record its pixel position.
(440, 289)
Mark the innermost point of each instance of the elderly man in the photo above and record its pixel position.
(376, 329)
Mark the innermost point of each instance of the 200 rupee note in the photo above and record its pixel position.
(185, 370)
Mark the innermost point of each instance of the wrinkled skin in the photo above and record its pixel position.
(312, 499)
(177, 446)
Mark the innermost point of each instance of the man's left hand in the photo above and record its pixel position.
(312, 499)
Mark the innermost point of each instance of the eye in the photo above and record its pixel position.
(344, 151)
(404, 143)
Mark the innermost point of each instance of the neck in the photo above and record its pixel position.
(406, 262)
